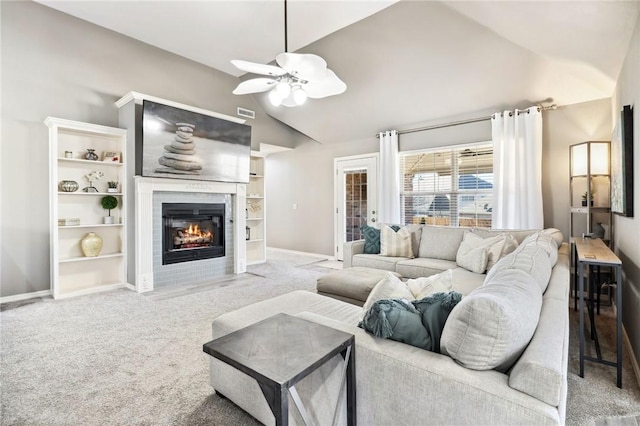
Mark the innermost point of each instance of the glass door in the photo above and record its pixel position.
(356, 197)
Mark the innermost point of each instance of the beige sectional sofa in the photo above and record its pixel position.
(480, 378)
(437, 247)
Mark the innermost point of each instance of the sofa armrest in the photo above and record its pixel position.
(350, 249)
(398, 381)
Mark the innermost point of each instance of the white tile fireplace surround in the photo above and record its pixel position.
(149, 195)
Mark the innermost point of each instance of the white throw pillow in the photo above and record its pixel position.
(473, 253)
(425, 286)
(397, 244)
(390, 287)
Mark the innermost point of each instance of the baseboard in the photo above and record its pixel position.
(632, 355)
(25, 296)
(304, 253)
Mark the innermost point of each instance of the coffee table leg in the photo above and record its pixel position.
(278, 399)
(351, 387)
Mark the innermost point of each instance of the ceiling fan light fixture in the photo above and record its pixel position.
(299, 95)
(283, 88)
(275, 98)
(297, 77)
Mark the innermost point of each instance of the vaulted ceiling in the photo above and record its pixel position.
(405, 63)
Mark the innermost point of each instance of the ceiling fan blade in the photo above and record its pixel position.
(255, 68)
(254, 85)
(328, 86)
(303, 65)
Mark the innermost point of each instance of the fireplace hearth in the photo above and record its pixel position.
(192, 231)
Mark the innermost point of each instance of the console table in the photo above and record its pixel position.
(593, 252)
(280, 351)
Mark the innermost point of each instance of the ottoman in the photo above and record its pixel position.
(351, 285)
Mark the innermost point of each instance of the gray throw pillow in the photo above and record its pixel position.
(492, 326)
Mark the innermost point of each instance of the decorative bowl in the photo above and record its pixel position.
(68, 186)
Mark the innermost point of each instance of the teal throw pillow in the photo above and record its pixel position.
(371, 239)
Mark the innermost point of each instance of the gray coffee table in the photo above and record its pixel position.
(280, 351)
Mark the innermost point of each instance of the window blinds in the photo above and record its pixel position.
(451, 186)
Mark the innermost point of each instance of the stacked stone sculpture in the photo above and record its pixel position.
(180, 157)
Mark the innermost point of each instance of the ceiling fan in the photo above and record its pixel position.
(297, 77)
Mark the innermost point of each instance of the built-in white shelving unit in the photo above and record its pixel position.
(73, 273)
(256, 226)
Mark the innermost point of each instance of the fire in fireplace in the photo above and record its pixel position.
(192, 231)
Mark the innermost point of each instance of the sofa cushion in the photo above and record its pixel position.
(422, 267)
(544, 241)
(440, 242)
(519, 235)
(464, 282)
(396, 244)
(390, 287)
(531, 259)
(540, 371)
(491, 326)
(425, 286)
(556, 234)
(473, 253)
(352, 284)
(386, 263)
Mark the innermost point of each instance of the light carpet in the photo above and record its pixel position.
(121, 358)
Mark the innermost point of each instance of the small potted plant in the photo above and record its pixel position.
(112, 186)
(584, 198)
(109, 202)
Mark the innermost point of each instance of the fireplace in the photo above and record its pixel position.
(192, 231)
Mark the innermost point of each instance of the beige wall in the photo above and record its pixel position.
(627, 229)
(304, 176)
(568, 125)
(57, 65)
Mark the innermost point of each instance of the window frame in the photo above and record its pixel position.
(454, 216)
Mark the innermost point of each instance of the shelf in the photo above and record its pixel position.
(80, 161)
(79, 192)
(256, 176)
(255, 219)
(72, 273)
(584, 209)
(254, 197)
(87, 258)
(96, 225)
(257, 240)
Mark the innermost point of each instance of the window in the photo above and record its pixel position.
(450, 186)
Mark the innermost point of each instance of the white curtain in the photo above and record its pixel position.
(389, 182)
(517, 169)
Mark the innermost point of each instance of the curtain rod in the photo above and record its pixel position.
(472, 120)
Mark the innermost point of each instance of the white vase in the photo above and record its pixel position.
(91, 244)
(108, 220)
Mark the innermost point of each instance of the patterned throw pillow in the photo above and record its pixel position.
(372, 238)
(397, 244)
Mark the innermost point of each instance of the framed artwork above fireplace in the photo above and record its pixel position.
(622, 164)
(182, 144)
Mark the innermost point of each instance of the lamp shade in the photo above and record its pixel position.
(599, 158)
(590, 158)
